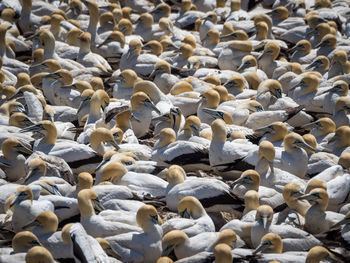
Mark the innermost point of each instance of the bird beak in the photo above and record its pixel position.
(212, 113)
(185, 214)
(129, 52)
(293, 49)
(83, 103)
(23, 149)
(262, 247)
(107, 41)
(265, 129)
(319, 44)
(242, 67)
(114, 144)
(239, 180)
(308, 197)
(160, 118)
(313, 64)
(153, 73)
(264, 219)
(18, 199)
(34, 128)
(52, 189)
(32, 224)
(261, 55)
(310, 126)
(152, 106)
(305, 146)
(101, 164)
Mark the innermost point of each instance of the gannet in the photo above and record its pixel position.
(82, 246)
(132, 59)
(194, 219)
(203, 189)
(293, 158)
(12, 161)
(293, 238)
(270, 176)
(326, 219)
(97, 225)
(141, 183)
(39, 253)
(25, 208)
(168, 150)
(250, 180)
(68, 150)
(45, 228)
(228, 156)
(267, 60)
(89, 59)
(163, 77)
(148, 246)
(184, 247)
(48, 41)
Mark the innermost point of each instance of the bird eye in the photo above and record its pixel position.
(147, 100)
(221, 114)
(297, 141)
(128, 163)
(166, 115)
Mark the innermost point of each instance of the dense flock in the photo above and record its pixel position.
(164, 131)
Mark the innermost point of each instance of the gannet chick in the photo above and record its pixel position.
(25, 208)
(184, 247)
(300, 241)
(201, 188)
(12, 160)
(194, 218)
(140, 247)
(96, 225)
(320, 199)
(76, 237)
(188, 154)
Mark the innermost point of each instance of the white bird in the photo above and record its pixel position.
(140, 247)
(194, 218)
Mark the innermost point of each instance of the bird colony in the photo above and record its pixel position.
(174, 131)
